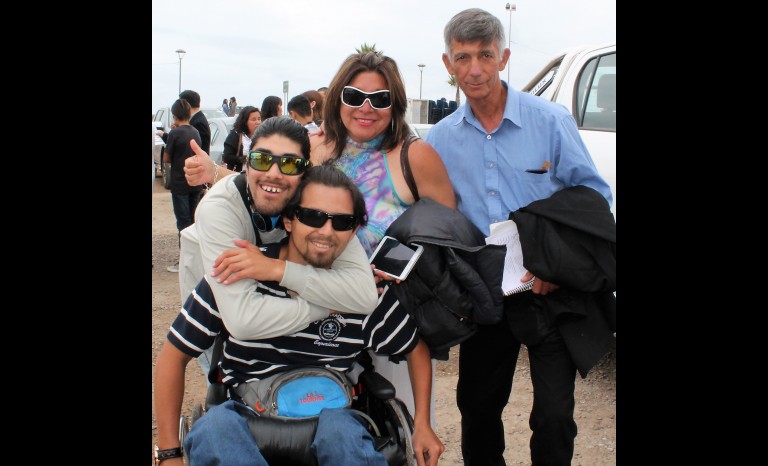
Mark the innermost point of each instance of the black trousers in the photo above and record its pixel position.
(487, 363)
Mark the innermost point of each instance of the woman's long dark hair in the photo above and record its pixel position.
(241, 123)
(269, 106)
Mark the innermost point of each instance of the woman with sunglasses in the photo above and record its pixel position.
(364, 130)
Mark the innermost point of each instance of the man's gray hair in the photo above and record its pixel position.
(474, 25)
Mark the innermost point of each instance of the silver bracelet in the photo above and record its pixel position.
(215, 173)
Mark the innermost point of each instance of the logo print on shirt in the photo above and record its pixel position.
(330, 328)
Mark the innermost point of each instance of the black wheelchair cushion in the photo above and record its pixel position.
(288, 441)
(284, 441)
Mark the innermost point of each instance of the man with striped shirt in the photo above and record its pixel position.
(222, 436)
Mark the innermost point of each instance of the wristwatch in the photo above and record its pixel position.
(161, 455)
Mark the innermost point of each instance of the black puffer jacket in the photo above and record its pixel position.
(456, 284)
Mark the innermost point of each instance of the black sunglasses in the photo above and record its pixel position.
(288, 164)
(317, 218)
(354, 97)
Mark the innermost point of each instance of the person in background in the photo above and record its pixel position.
(184, 197)
(322, 91)
(225, 107)
(316, 102)
(505, 149)
(238, 141)
(222, 435)
(300, 110)
(198, 120)
(232, 106)
(271, 106)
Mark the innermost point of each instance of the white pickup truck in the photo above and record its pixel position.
(583, 79)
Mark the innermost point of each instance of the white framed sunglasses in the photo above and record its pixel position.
(355, 98)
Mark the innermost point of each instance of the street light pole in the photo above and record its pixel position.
(181, 53)
(421, 69)
(510, 8)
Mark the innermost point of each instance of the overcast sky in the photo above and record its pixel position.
(248, 48)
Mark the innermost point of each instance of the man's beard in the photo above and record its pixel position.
(268, 207)
(323, 261)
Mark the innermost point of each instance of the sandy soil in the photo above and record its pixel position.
(595, 395)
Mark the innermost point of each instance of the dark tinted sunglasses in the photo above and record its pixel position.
(354, 97)
(288, 164)
(317, 218)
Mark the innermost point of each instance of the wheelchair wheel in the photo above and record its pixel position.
(197, 413)
(185, 423)
(183, 430)
(403, 431)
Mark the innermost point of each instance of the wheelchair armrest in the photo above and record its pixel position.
(377, 385)
(217, 394)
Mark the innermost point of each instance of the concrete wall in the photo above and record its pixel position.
(417, 111)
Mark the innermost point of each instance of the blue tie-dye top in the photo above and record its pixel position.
(366, 164)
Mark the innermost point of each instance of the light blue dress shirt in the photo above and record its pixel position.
(488, 169)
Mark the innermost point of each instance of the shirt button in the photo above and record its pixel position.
(491, 164)
(488, 136)
(492, 193)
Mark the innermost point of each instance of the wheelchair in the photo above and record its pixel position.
(287, 441)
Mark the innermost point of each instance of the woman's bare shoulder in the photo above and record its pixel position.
(421, 151)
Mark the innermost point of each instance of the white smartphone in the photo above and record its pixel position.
(395, 258)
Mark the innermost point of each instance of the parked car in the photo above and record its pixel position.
(220, 128)
(583, 79)
(163, 115)
(157, 146)
(420, 129)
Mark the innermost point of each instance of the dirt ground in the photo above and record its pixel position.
(595, 396)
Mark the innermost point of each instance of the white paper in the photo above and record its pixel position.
(505, 233)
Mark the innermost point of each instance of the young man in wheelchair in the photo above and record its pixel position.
(222, 435)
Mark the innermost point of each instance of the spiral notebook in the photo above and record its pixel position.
(505, 233)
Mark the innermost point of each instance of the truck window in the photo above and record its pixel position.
(595, 99)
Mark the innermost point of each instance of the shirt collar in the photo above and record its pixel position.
(511, 110)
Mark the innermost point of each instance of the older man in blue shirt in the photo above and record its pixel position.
(503, 150)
